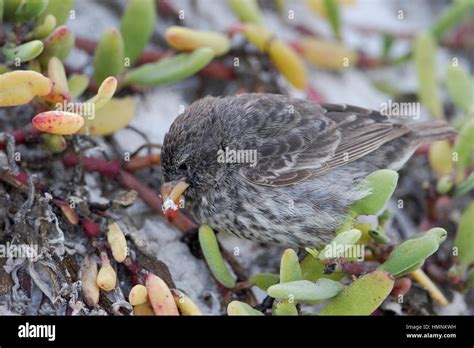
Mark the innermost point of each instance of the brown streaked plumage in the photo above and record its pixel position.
(310, 158)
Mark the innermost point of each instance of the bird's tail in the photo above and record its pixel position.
(429, 131)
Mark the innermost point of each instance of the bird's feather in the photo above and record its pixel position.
(312, 139)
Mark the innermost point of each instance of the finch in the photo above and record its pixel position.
(280, 170)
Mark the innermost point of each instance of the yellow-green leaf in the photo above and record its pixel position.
(115, 115)
(187, 39)
(10, 7)
(289, 64)
(327, 55)
(212, 254)
(333, 15)
(265, 280)
(138, 22)
(44, 28)
(58, 44)
(464, 146)
(440, 157)
(451, 16)
(57, 73)
(361, 297)
(109, 55)
(412, 252)
(460, 88)
(241, 308)
(105, 93)
(290, 269)
(303, 290)
(23, 53)
(313, 269)
(170, 69)
(247, 11)
(60, 9)
(30, 9)
(382, 184)
(53, 143)
(465, 237)
(77, 84)
(20, 87)
(425, 61)
(58, 122)
(344, 239)
(284, 308)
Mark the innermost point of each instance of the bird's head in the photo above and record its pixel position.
(188, 155)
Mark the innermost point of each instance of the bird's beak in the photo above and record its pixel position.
(171, 193)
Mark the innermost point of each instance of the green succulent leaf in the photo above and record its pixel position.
(170, 69)
(466, 186)
(9, 8)
(444, 184)
(265, 280)
(313, 269)
(334, 17)
(247, 11)
(465, 237)
(379, 237)
(57, 73)
(108, 56)
(290, 269)
(30, 9)
(470, 278)
(464, 146)
(137, 26)
(25, 52)
(304, 290)
(284, 308)
(439, 234)
(60, 9)
(58, 44)
(77, 84)
(361, 297)
(343, 239)
(451, 16)
(53, 143)
(241, 308)
(425, 61)
(409, 255)
(382, 184)
(44, 28)
(460, 88)
(212, 254)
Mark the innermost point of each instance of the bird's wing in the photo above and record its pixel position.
(297, 139)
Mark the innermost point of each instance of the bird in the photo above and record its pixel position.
(280, 170)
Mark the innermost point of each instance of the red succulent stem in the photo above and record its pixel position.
(140, 162)
(313, 95)
(113, 169)
(22, 136)
(218, 70)
(110, 169)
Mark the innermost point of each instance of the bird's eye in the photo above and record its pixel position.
(183, 166)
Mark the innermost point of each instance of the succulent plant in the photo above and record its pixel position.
(69, 105)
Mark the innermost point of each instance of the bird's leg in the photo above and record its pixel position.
(267, 303)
